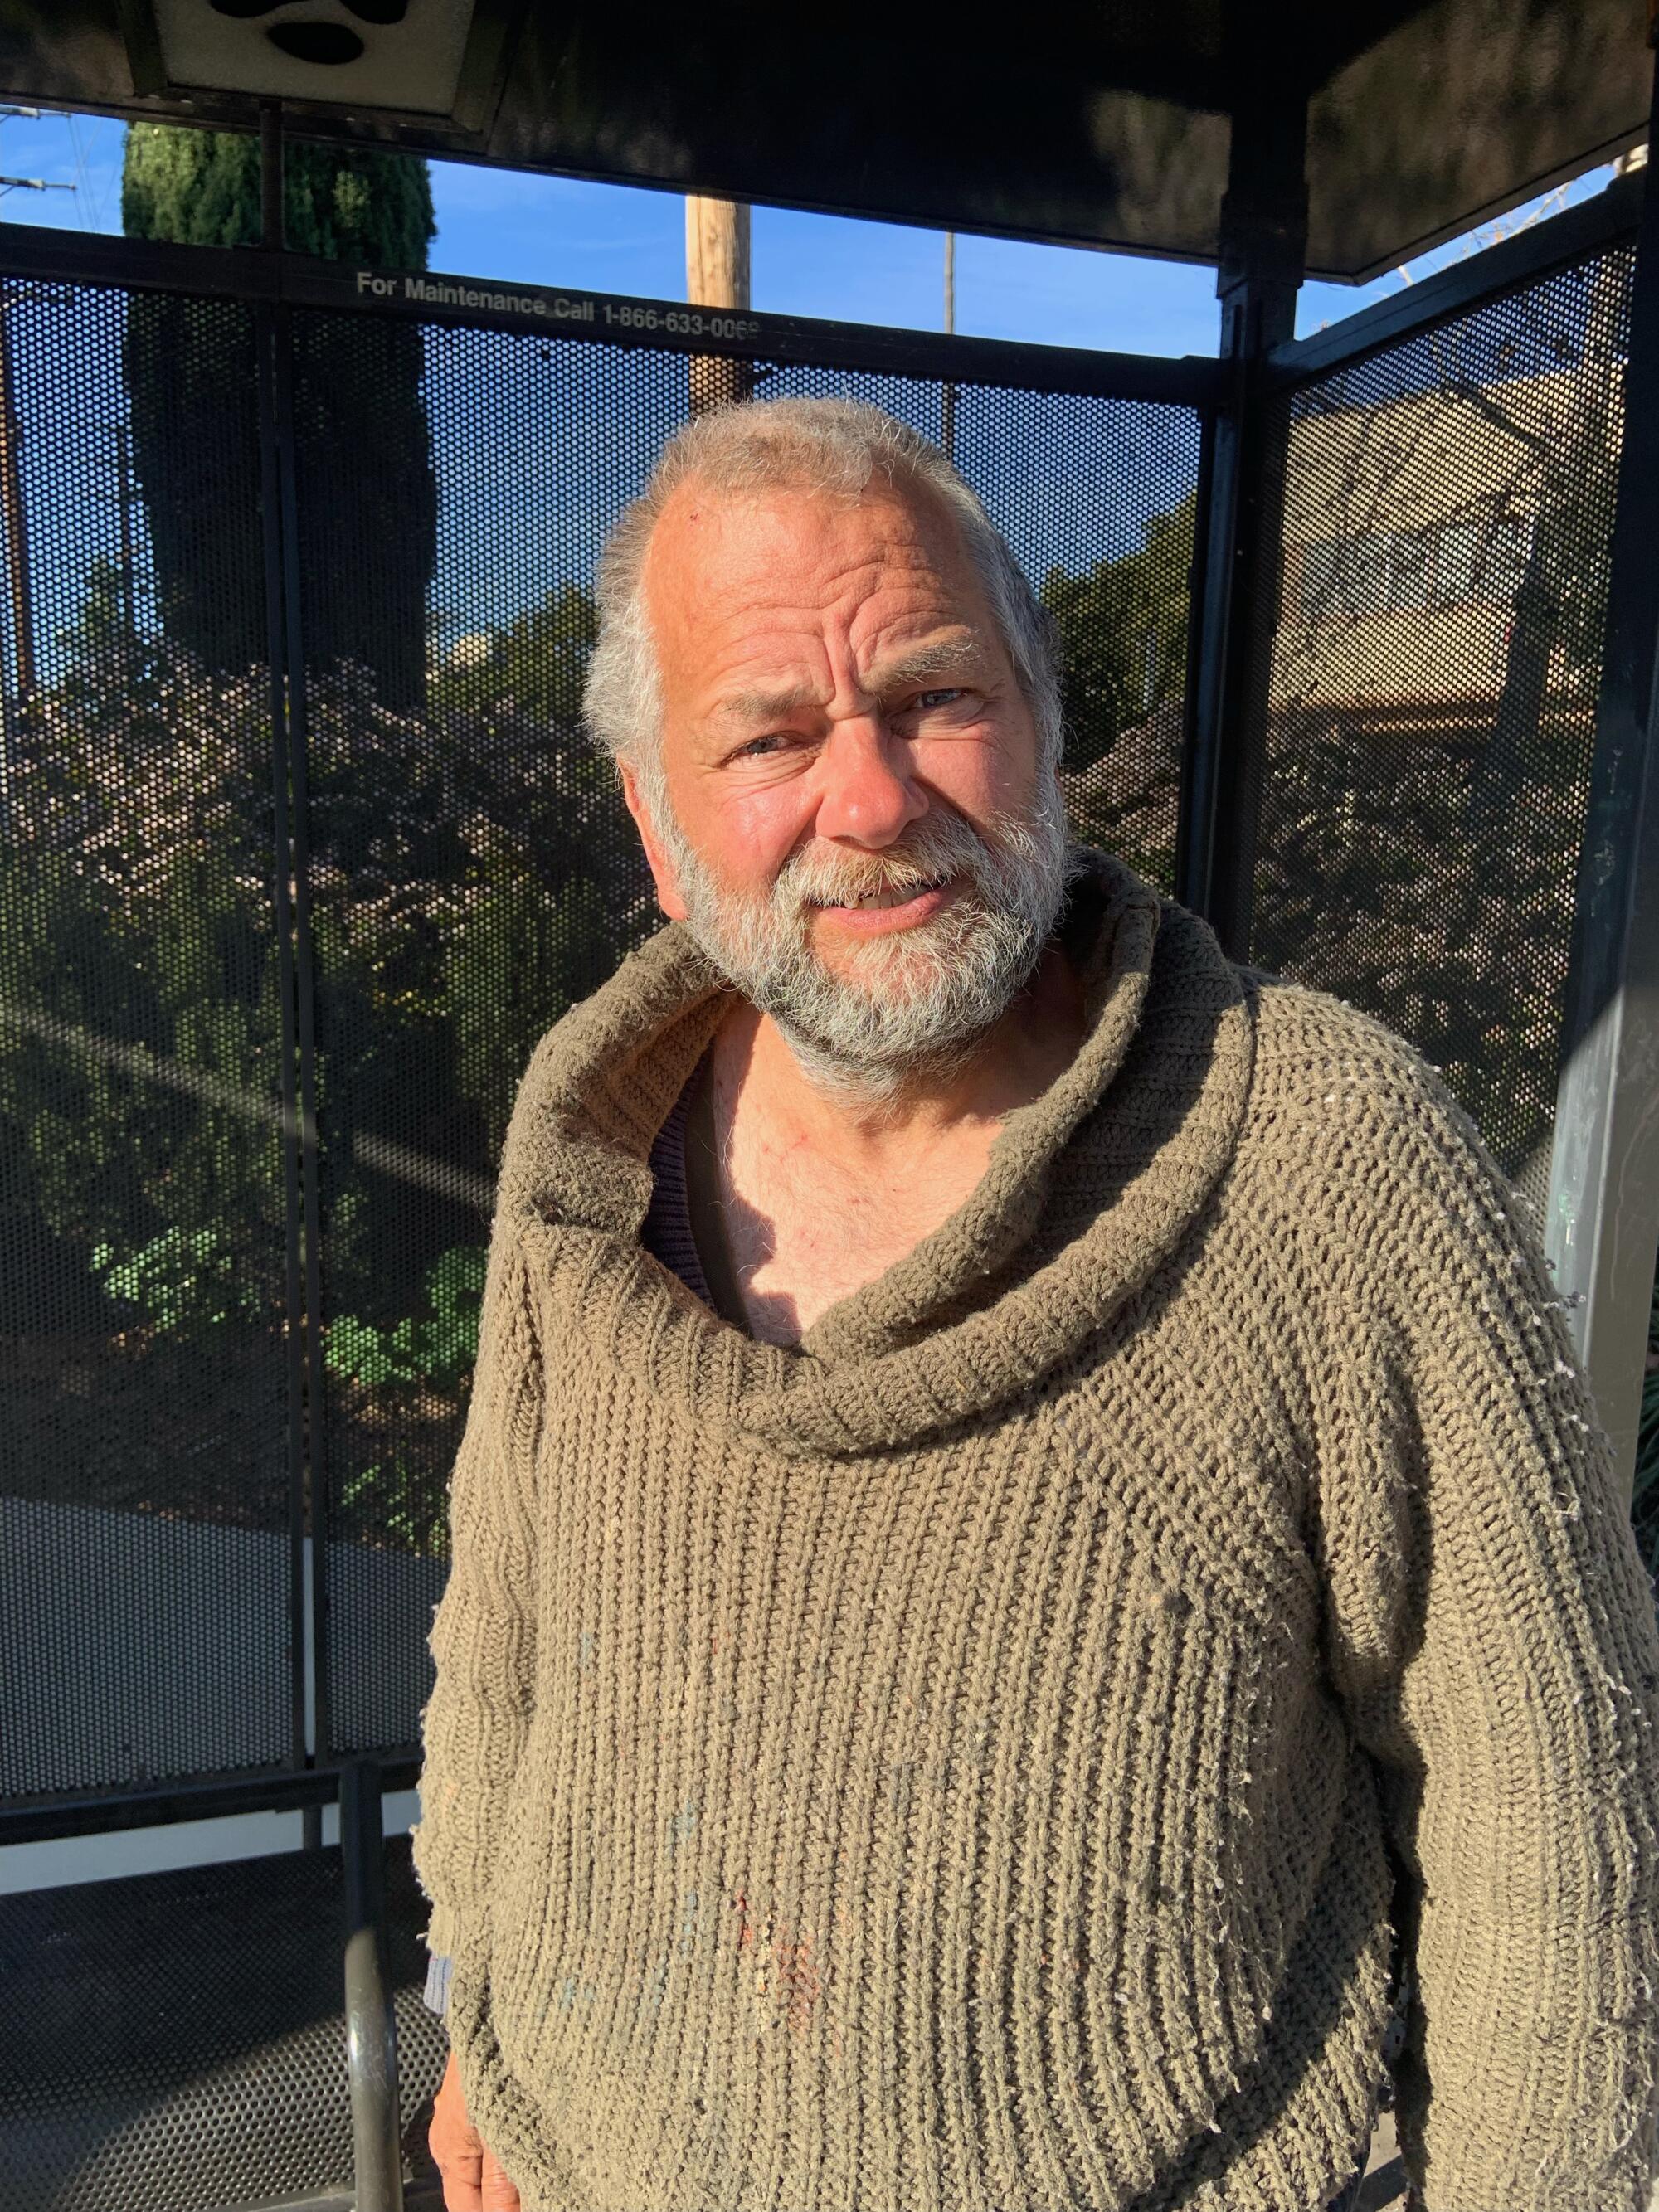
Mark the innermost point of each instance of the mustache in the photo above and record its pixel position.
(935, 847)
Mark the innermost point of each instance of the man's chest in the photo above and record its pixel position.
(785, 1232)
(801, 1236)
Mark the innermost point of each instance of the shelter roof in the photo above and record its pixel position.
(1098, 126)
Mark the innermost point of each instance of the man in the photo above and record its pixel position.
(1017, 1473)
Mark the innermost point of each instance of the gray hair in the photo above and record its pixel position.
(819, 445)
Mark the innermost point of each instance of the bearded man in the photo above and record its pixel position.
(1032, 1556)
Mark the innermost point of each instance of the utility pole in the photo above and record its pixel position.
(948, 410)
(11, 474)
(11, 511)
(717, 276)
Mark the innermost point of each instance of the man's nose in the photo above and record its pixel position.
(868, 795)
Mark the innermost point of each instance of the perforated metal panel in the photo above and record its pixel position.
(1427, 692)
(143, 1416)
(1429, 686)
(176, 2042)
(473, 870)
(469, 871)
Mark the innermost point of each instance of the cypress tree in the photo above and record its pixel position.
(368, 501)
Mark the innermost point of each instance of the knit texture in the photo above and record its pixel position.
(953, 1763)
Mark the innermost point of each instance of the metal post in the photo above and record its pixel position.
(1602, 1226)
(371, 2030)
(16, 524)
(294, 672)
(1263, 236)
(273, 231)
(303, 1737)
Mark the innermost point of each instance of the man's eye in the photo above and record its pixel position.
(928, 700)
(757, 748)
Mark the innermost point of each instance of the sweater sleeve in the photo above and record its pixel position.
(483, 1633)
(1493, 1637)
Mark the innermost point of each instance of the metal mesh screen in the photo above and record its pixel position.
(144, 1418)
(1097, 498)
(473, 870)
(1430, 686)
(175, 2042)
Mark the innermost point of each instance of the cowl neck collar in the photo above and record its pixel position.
(1086, 1189)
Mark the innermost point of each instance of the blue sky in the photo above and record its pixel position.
(608, 238)
(528, 481)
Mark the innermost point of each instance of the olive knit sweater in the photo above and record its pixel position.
(955, 1763)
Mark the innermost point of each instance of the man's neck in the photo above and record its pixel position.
(1014, 1062)
(823, 1190)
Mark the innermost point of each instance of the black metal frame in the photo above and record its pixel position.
(1234, 565)
(265, 343)
(1612, 217)
(1264, 220)
(281, 438)
(1601, 1216)
(208, 1797)
(1604, 1174)
(297, 279)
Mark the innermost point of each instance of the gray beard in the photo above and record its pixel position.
(903, 1005)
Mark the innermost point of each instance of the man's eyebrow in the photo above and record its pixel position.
(963, 653)
(960, 654)
(767, 706)
(957, 655)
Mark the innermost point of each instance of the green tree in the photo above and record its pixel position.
(517, 955)
(1122, 632)
(369, 499)
(140, 1006)
(536, 665)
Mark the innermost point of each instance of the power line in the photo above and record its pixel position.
(28, 184)
(91, 214)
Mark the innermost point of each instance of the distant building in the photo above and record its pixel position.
(1409, 526)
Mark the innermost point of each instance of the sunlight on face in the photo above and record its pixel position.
(847, 809)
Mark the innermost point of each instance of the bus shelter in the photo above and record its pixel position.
(302, 846)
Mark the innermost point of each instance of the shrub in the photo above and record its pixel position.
(435, 1349)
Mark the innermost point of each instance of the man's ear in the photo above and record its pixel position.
(662, 867)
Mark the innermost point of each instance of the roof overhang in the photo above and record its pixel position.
(1106, 128)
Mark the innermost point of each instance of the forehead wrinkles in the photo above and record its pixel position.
(859, 610)
(871, 602)
(777, 549)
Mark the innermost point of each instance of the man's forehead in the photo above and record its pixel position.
(736, 582)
